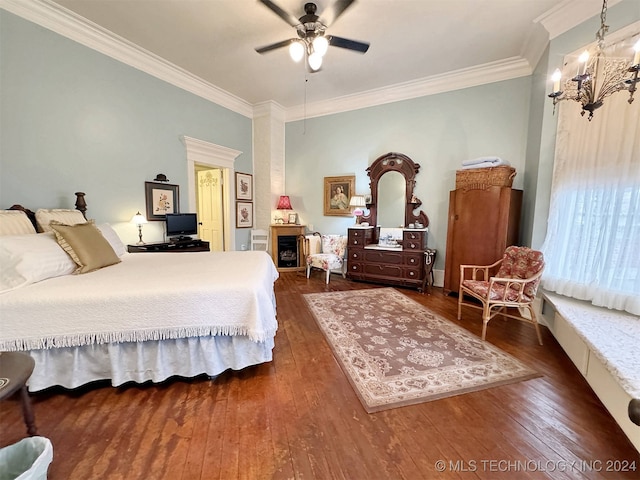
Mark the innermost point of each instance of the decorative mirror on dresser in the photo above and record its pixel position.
(393, 178)
(391, 249)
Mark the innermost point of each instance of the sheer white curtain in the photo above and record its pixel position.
(592, 248)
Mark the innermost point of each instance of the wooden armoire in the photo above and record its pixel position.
(483, 221)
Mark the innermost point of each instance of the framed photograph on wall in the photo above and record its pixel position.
(161, 198)
(244, 215)
(244, 186)
(337, 192)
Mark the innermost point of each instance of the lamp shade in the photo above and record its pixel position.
(138, 219)
(357, 201)
(284, 203)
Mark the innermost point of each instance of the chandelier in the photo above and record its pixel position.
(597, 76)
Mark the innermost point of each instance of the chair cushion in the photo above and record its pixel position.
(481, 288)
(522, 262)
(335, 244)
(325, 261)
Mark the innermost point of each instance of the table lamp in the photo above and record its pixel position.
(357, 202)
(284, 204)
(139, 219)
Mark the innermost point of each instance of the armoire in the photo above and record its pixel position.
(484, 219)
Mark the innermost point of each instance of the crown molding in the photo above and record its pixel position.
(468, 77)
(52, 16)
(570, 13)
(70, 25)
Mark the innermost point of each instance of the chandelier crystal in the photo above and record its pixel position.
(597, 76)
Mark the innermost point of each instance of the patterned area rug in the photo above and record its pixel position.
(395, 352)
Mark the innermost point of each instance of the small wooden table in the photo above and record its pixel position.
(15, 370)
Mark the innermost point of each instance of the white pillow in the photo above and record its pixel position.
(26, 259)
(62, 215)
(15, 222)
(112, 237)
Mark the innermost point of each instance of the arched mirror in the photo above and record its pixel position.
(391, 199)
(393, 202)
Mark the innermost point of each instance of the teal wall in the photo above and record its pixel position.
(437, 131)
(73, 119)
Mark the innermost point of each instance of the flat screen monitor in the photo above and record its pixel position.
(181, 224)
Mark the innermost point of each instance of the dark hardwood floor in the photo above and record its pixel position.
(298, 417)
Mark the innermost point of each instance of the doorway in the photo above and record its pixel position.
(210, 206)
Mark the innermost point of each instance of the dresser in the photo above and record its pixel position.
(483, 221)
(403, 265)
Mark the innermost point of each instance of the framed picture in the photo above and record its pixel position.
(244, 214)
(162, 198)
(293, 218)
(244, 186)
(337, 192)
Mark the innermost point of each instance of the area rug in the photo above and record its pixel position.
(396, 352)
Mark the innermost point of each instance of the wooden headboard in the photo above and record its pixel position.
(81, 205)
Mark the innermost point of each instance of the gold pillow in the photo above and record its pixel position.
(85, 245)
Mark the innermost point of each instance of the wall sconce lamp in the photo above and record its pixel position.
(139, 219)
(357, 202)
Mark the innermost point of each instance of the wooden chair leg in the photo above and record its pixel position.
(486, 310)
(534, 320)
(27, 412)
(460, 295)
(328, 275)
(308, 270)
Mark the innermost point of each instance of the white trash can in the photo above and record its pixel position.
(28, 459)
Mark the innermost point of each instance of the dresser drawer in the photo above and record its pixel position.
(414, 259)
(355, 267)
(413, 273)
(360, 236)
(383, 256)
(414, 240)
(383, 270)
(355, 254)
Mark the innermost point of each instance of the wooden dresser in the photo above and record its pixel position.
(369, 262)
(483, 222)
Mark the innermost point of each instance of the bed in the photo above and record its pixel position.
(144, 317)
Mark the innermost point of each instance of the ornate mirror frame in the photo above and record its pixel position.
(395, 162)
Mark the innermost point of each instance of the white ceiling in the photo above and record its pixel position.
(411, 40)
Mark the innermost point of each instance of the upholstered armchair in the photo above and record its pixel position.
(514, 285)
(330, 257)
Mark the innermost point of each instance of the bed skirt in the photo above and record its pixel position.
(139, 362)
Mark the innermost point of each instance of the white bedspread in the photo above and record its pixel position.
(149, 296)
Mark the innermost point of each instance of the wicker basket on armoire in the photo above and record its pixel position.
(484, 219)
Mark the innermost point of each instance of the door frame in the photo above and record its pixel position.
(215, 156)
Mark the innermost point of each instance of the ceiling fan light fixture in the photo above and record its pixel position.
(320, 45)
(315, 61)
(296, 51)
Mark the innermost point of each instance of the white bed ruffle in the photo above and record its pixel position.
(140, 362)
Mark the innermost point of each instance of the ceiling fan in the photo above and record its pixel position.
(312, 39)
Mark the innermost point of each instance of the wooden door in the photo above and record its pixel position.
(210, 212)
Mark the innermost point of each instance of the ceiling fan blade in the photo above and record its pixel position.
(273, 46)
(286, 16)
(333, 11)
(348, 44)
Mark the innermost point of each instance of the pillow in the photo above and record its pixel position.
(63, 215)
(15, 222)
(26, 259)
(85, 245)
(112, 237)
